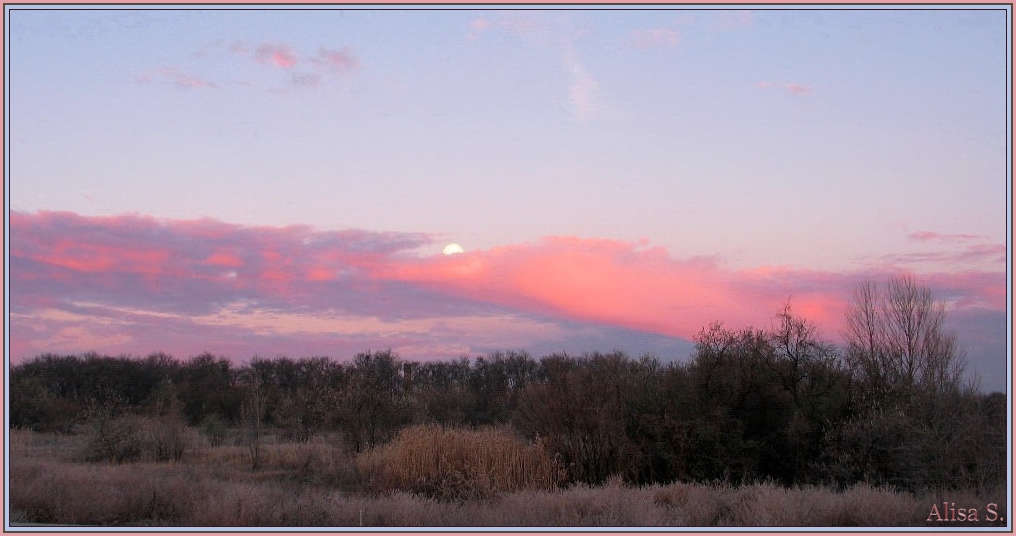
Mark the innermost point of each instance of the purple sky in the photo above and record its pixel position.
(265, 182)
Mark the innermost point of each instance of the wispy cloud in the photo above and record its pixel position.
(791, 87)
(931, 236)
(538, 29)
(735, 19)
(175, 77)
(338, 61)
(304, 70)
(305, 79)
(582, 101)
(275, 55)
(976, 254)
(797, 89)
(476, 28)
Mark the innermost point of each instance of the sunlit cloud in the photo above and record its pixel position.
(275, 55)
(926, 236)
(175, 77)
(123, 282)
(338, 61)
(797, 89)
(476, 28)
(736, 19)
(627, 285)
(305, 70)
(790, 87)
(973, 254)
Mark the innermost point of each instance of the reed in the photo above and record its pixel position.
(455, 463)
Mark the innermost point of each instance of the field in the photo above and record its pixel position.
(319, 483)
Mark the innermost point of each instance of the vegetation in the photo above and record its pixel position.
(451, 463)
(315, 484)
(771, 413)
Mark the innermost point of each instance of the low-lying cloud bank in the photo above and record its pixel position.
(136, 284)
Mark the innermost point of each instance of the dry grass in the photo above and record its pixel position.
(322, 461)
(452, 463)
(215, 487)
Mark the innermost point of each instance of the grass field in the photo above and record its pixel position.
(485, 478)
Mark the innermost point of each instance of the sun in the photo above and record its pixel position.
(452, 249)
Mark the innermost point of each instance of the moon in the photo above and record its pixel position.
(452, 249)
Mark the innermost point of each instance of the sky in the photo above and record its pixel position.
(262, 182)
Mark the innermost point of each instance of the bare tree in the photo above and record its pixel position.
(897, 343)
(251, 414)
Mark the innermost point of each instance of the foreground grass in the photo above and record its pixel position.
(317, 484)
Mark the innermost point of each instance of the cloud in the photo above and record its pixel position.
(791, 87)
(535, 27)
(133, 283)
(733, 19)
(539, 28)
(476, 28)
(622, 284)
(974, 254)
(305, 79)
(654, 37)
(308, 71)
(175, 77)
(336, 61)
(275, 55)
(797, 89)
(931, 236)
(582, 102)
(950, 252)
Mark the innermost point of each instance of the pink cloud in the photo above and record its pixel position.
(477, 27)
(125, 276)
(655, 37)
(337, 61)
(618, 283)
(792, 87)
(797, 89)
(926, 236)
(734, 19)
(224, 259)
(275, 55)
(175, 77)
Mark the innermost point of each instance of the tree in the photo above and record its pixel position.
(915, 425)
(373, 401)
(579, 408)
(252, 412)
(897, 344)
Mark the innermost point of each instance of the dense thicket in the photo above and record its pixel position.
(749, 405)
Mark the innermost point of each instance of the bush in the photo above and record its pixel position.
(165, 438)
(114, 440)
(453, 464)
(214, 429)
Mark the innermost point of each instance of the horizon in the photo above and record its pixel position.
(291, 182)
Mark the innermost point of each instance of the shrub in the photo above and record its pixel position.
(214, 429)
(115, 440)
(165, 438)
(449, 463)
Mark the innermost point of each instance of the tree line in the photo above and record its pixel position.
(887, 407)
